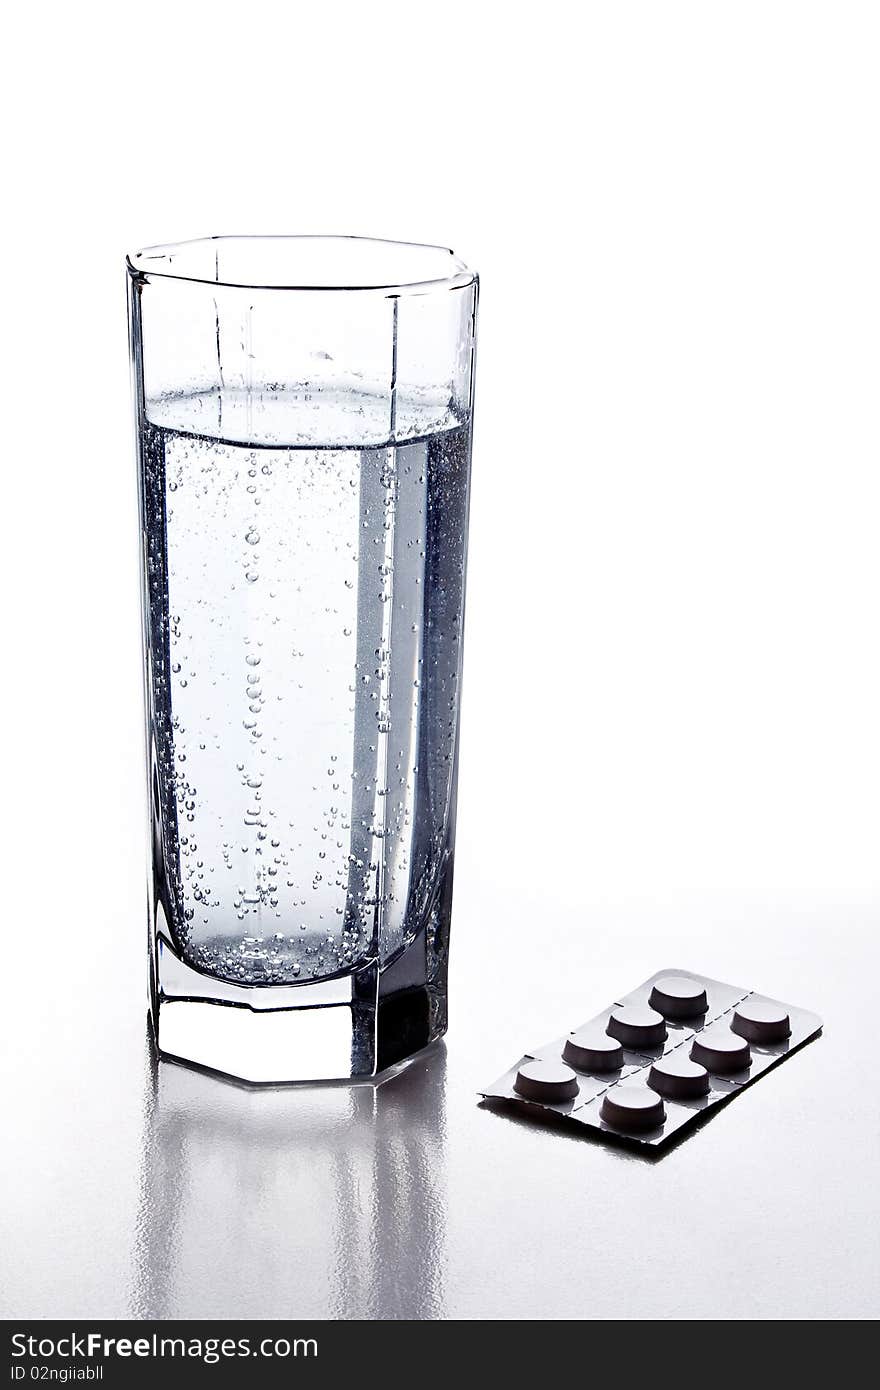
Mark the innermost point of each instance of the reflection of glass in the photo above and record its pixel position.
(304, 421)
(322, 1202)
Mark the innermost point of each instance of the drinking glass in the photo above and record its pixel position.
(303, 412)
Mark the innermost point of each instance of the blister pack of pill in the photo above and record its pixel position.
(657, 1059)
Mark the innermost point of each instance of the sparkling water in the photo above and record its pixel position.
(305, 613)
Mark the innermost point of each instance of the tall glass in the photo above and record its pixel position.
(303, 410)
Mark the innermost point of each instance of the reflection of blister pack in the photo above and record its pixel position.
(658, 1059)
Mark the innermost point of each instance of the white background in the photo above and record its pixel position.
(672, 694)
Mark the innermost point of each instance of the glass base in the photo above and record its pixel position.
(355, 1025)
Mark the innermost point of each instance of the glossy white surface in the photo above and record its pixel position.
(132, 1193)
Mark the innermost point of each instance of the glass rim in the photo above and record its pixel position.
(146, 263)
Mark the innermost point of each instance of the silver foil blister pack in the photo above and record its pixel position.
(657, 1060)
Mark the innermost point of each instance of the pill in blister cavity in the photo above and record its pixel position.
(632, 1107)
(720, 1051)
(761, 1023)
(591, 1049)
(678, 996)
(678, 1078)
(636, 1025)
(547, 1081)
